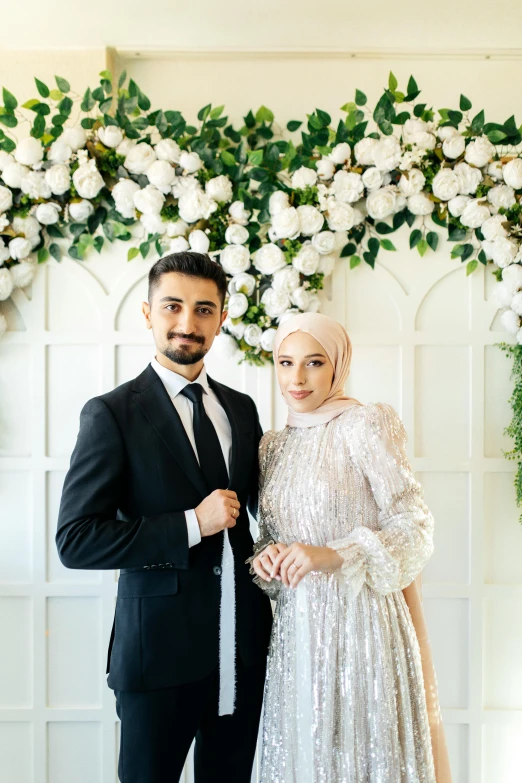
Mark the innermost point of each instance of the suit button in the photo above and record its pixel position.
(161, 565)
(146, 568)
(217, 570)
(154, 566)
(169, 565)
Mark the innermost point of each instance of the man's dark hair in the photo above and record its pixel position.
(190, 264)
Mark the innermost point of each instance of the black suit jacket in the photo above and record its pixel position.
(133, 474)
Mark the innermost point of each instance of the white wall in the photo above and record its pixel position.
(423, 338)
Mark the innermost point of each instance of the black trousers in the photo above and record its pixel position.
(158, 728)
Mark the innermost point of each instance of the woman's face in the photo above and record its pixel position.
(304, 372)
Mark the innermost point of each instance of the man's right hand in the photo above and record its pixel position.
(218, 511)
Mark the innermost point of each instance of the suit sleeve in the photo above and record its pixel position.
(89, 535)
(254, 483)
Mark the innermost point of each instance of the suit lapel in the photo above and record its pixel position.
(156, 405)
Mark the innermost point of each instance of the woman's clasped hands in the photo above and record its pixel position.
(289, 564)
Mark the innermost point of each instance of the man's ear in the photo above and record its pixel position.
(145, 309)
(223, 319)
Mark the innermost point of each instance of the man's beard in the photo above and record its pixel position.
(184, 355)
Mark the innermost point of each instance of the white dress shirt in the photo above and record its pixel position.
(174, 383)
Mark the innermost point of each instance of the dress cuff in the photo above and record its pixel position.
(194, 533)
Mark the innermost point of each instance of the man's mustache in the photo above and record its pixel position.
(195, 337)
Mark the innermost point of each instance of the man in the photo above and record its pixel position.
(160, 478)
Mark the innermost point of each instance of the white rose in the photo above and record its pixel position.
(475, 214)
(125, 147)
(176, 228)
(493, 227)
(381, 203)
(420, 204)
(6, 199)
(310, 220)
(28, 226)
(445, 185)
(29, 152)
(168, 149)
(161, 174)
(501, 196)
(195, 205)
(225, 346)
(35, 185)
(446, 132)
(510, 321)
(347, 186)
(502, 294)
(59, 152)
(149, 201)
(219, 188)
(237, 306)
(238, 213)
(179, 245)
(47, 214)
(479, 152)
(387, 153)
(512, 173)
(19, 248)
(22, 274)
(185, 184)
(190, 162)
(243, 283)
(140, 158)
(415, 131)
(275, 302)
(412, 182)
(286, 279)
(457, 205)
(199, 241)
(341, 153)
(4, 254)
(314, 304)
(307, 260)
(253, 334)
(123, 194)
(152, 223)
(372, 178)
(501, 250)
(327, 264)
(496, 170)
(324, 242)
(6, 284)
(235, 259)
(81, 210)
(340, 216)
(4, 222)
(304, 177)
(267, 340)
(13, 174)
(58, 177)
(76, 138)
(289, 314)
(87, 180)
(454, 146)
(285, 223)
(364, 151)
(237, 330)
(300, 297)
(468, 176)
(111, 136)
(5, 159)
(516, 303)
(277, 202)
(512, 276)
(325, 168)
(236, 234)
(269, 258)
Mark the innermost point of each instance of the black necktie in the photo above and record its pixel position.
(208, 447)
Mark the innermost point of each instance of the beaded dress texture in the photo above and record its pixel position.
(344, 695)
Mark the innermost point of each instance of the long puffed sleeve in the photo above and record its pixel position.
(387, 559)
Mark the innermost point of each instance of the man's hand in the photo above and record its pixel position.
(264, 562)
(297, 560)
(218, 511)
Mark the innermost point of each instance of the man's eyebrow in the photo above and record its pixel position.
(206, 302)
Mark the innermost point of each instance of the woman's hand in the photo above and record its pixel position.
(297, 560)
(264, 562)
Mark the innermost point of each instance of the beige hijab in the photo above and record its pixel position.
(338, 348)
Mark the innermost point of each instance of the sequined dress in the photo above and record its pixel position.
(344, 695)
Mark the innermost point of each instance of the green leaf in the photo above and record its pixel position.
(38, 129)
(422, 247)
(457, 251)
(348, 250)
(496, 136)
(373, 246)
(106, 75)
(9, 120)
(360, 98)
(483, 258)
(62, 84)
(42, 108)
(471, 266)
(42, 88)
(392, 82)
(43, 255)
(293, 125)
(415, 238)
(477, 122)
(143, 102)
(54, 232)
(467, 252)
(88, 100)
(10, 101)
(7, 145)
(465, 103)
(204, 112)
(132, 253)
(56, 95)
(387, 244)
(88, 122)
(264, 114)
(412, 86)
(354, 261)
(30, 104)
(432, 239)
(255, 157)
(227, 158)
(56, 251)
(216, 113)
(144, 249)
(384, 228)
(370, 259)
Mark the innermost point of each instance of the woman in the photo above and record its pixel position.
(344, 530)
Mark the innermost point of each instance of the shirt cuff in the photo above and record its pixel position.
(194, 533)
